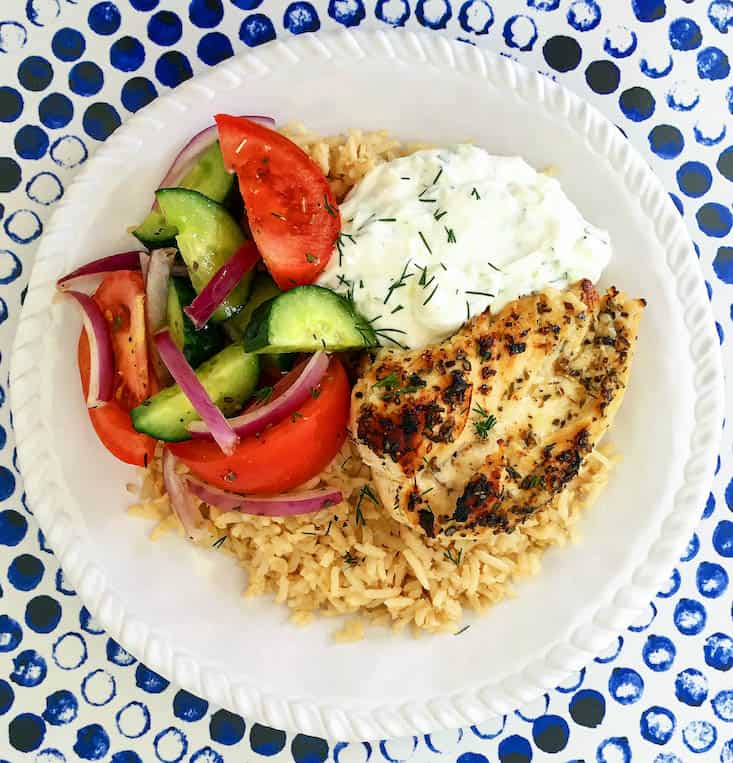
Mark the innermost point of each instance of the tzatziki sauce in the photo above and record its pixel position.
(431, 239)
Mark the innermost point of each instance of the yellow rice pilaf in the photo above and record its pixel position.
(344, 561)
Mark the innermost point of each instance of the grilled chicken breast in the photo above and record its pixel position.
(475, 434)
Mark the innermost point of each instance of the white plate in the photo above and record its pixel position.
(180, 609)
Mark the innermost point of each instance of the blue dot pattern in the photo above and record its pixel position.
(70, 73)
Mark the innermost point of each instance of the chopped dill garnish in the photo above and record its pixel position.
(498, 270)
(331, 211)
(426, 491)
(275, 214)
(451, 235)
(311, 258)
(386, 219)
(431, 295)
(350, 559)
(315, 393)
(219, 542)
(367, 491)
(264, 394)
(390, 381)
(443, 266)
(437, 177)
(468, 310)
(481, 293)
(405, 178)
(380, 333)
(429, 201)
(424, 240)
(531, 481)
(328, 529)
(397, 309)
(486, 422)
(439, 213)
(423, 275)
(432, 278)
(475, 194)
(463, 630)
(400, 282)
(295, 416)
(451, 556)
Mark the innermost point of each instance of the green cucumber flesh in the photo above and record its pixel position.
(229, 377)
(197, 346)
(207, 176)
(207, 237)
(307, 319)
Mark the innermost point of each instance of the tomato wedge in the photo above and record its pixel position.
(291, 210)
(112, 421)
(284, 456)
(121, 297)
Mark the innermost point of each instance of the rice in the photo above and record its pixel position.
(354, 559)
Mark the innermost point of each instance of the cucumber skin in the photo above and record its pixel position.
(203, 257)
(154, 233)
(263, 289)
(166, 415)
(257, 335)
(197, 346)
(209, 177)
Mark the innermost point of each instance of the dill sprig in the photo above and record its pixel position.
(439, 213)
(451, 234)
(531, 481)
(451, 556)
(331, 211)
(476, 195)
(498, 270)
(399, 283)
(431, 295)
(463, 630)
(365, 492)
(386, 219)
(397, 309)
(437, 177)
(350, 560)
(390, 381)
(486, 422)
(424, 240)
(481, 293)
(219, 542)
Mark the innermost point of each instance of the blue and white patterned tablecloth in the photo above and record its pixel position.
(70, 72)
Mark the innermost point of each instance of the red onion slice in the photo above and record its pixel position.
(192, 388)
(222, 284)
(180, 498)
(156, 303)
(121, 261)
(101, 357)
(285, 505)
(258, 418)
(188, 155)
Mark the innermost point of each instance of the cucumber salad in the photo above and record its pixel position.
(215, 340)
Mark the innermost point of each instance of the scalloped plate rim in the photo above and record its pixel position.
(442, 711)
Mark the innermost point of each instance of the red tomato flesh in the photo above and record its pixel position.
(112, 421)
(288, 454)
(291, 210)
(121, 297)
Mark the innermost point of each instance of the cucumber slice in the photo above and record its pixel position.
(307, 319)
(229, 377)
(207, 237)
(263, 288)
(208, 176)
(197, 346)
